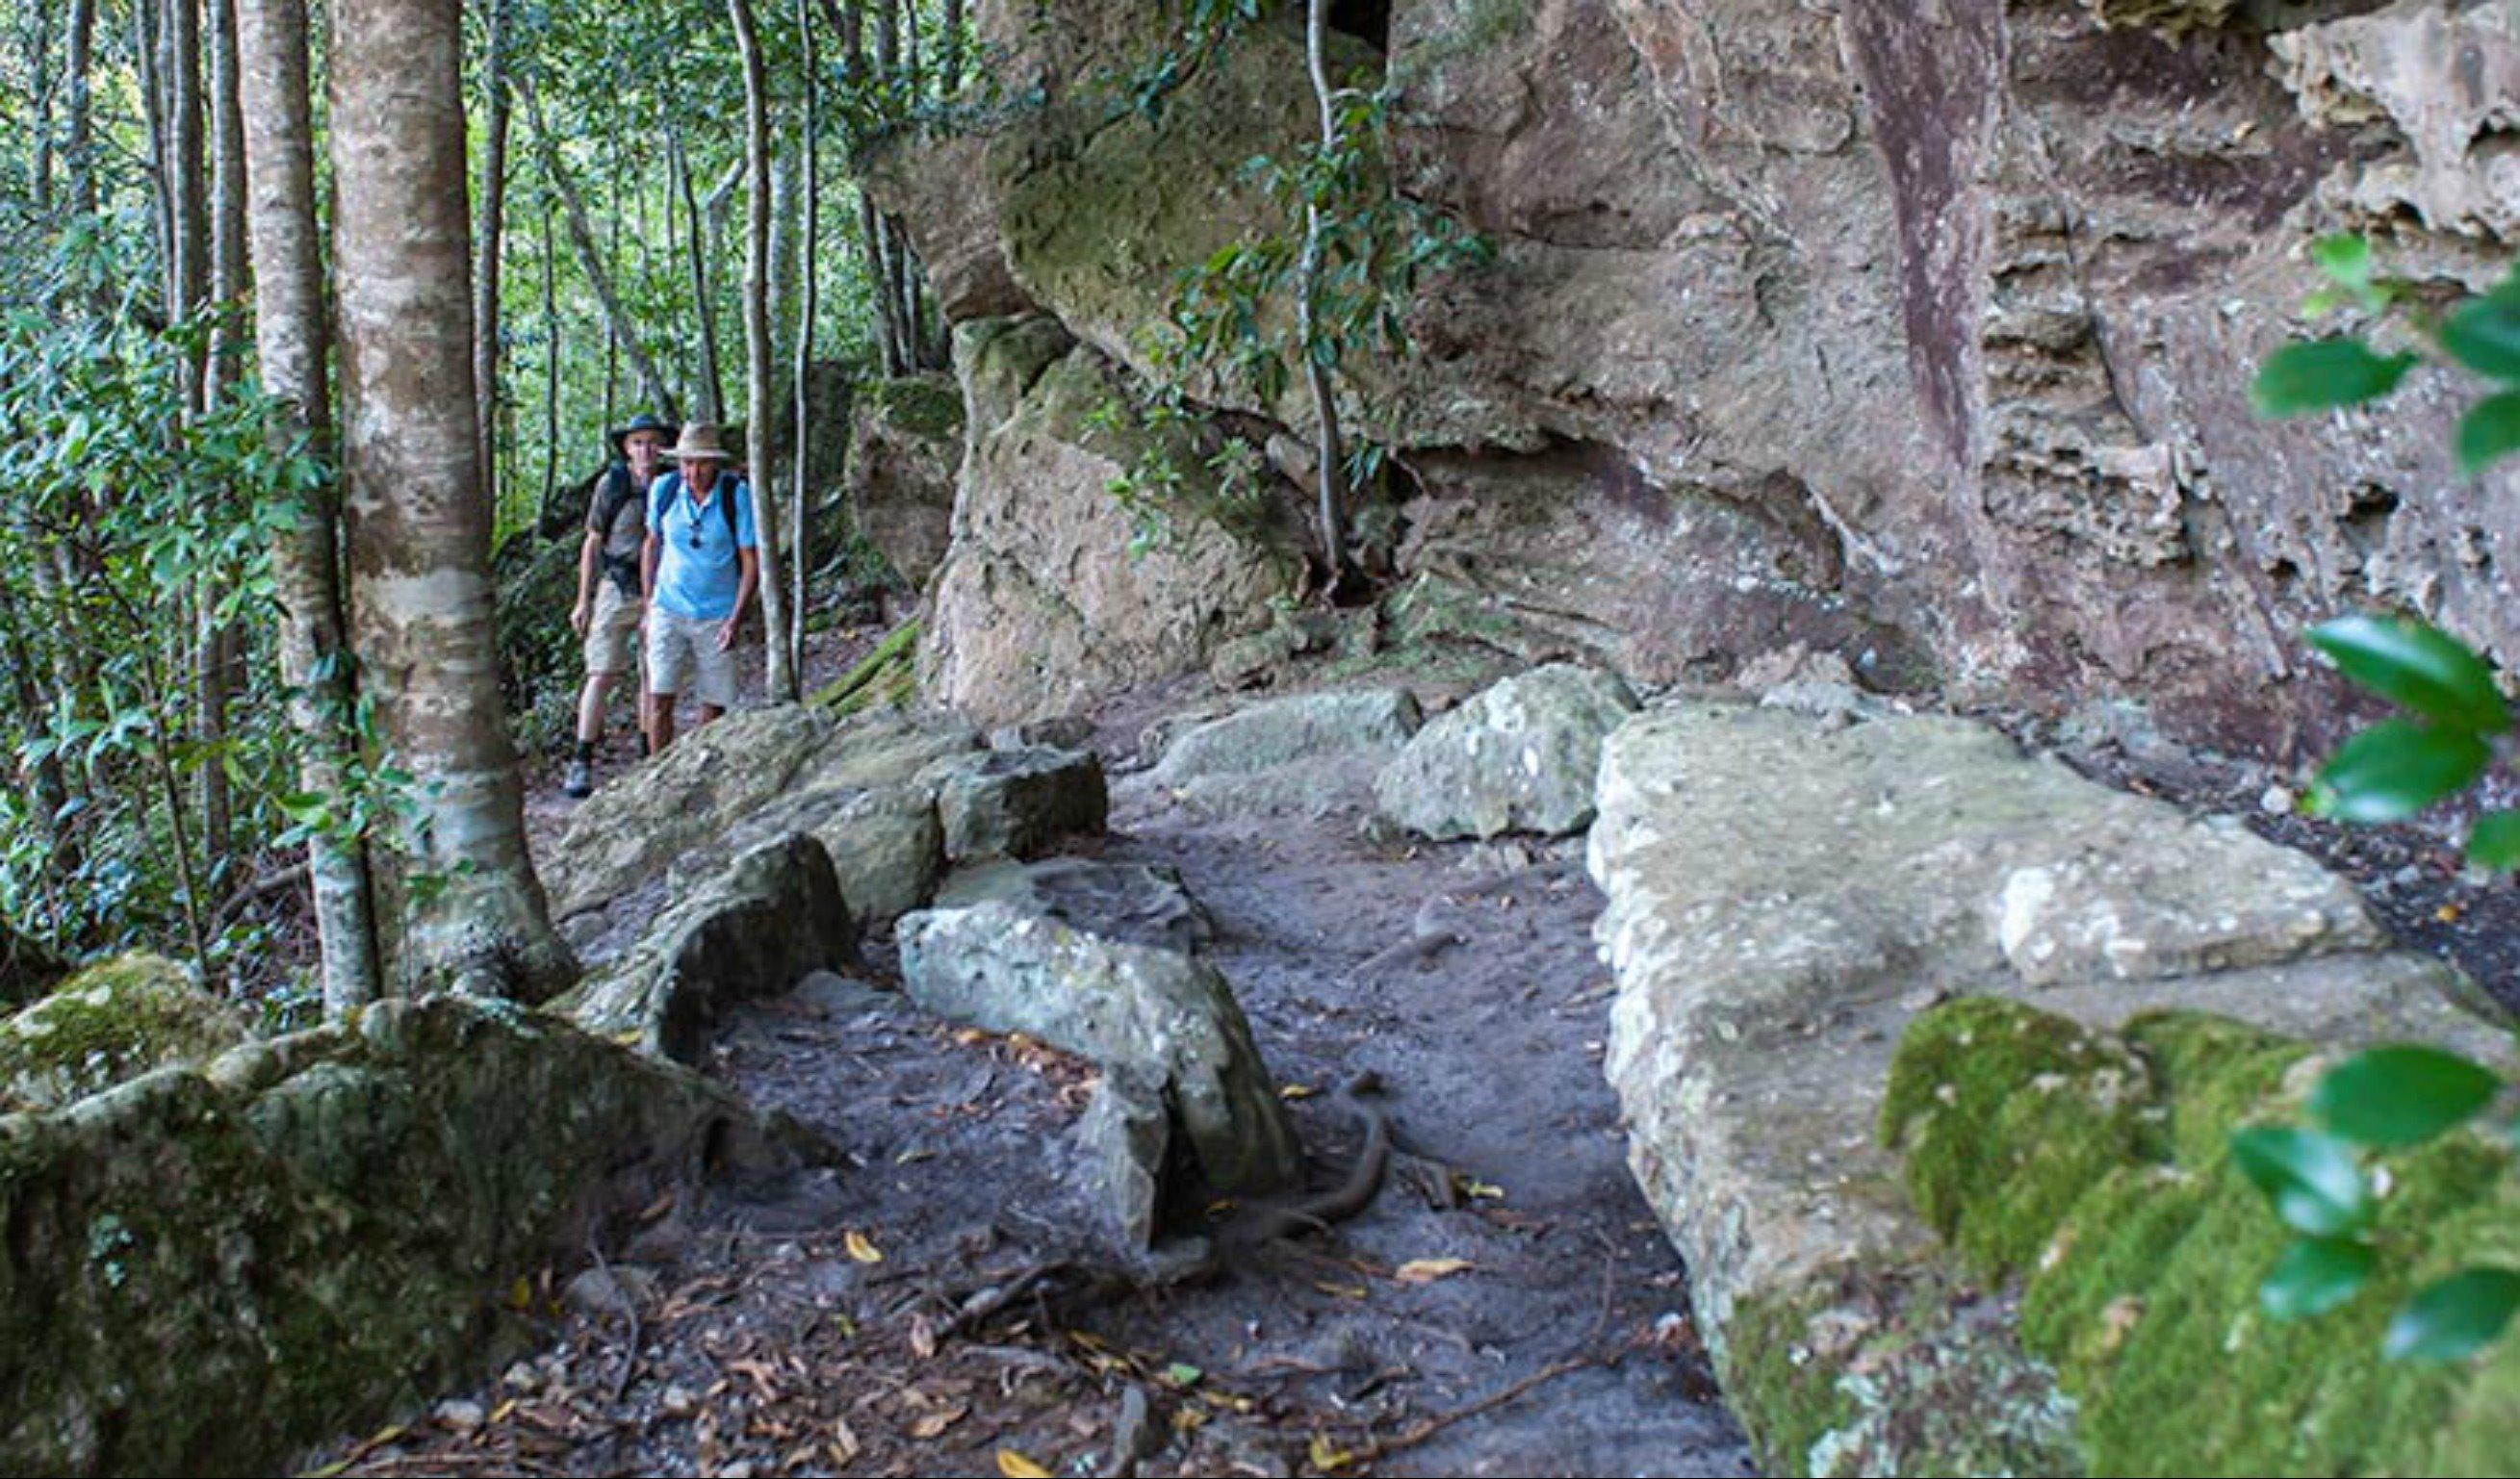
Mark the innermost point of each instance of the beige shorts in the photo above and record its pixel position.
(683, 658)
(612, 634)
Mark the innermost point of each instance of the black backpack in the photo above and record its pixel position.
(617, 489)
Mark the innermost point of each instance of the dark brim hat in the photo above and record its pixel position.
(642, 421)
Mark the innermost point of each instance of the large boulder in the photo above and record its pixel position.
(1148, 1009)
(1137, 903)
(1057, 589)
(936, 183)
(905, 445)
(1787, 897)
(775, 916)
(886, 846)
(207, 1271)
(1518, 756)
(108, 1023)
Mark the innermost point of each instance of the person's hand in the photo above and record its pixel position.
(726, 634)
(580, 618)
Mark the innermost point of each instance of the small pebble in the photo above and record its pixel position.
(2277, 800)
(460, 1414)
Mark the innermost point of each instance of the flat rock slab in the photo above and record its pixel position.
(1135, 903)
(1150, 1009)
(1786, 894)
(885, 841)
(1300, 755)
(1017, 803)
(773, 915)
(1519, 755)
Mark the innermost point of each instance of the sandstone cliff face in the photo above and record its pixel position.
(1941, 314)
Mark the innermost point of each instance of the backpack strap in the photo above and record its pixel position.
(613, 493)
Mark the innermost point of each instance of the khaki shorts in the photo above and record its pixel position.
(612, 634)
(683, 658)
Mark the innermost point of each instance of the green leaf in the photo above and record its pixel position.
(2344, 257)
(2392, 1097)
(2417, 666)
(2484, 335)
(2493, 842)
(2312, 1179)
(2488, 432)
(2455, 1317)
(2392, 770)
(2321, 375)
(2315, 1276)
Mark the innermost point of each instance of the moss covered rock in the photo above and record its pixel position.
(1929, 1053)
(106, 1025)
(205, 1270)
(905, 448)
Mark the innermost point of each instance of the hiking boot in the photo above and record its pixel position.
(581, 781)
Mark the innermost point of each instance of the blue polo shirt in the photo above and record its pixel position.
(697, 570)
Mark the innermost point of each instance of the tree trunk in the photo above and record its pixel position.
(780, 670)
(180, 66)
(419, 527)
(551, 360)
(222, 643)
(1331, 478)
(711, 391)
(950, 75)
(491, 222)
(290, 333)
(145, 28)
(78, 147)
(801, 552)
(41, 80)
(590, 260)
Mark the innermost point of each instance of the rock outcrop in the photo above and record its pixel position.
(1017, 803)
(1303, 752)
(207, 1270)
(1921, 335)
(1057, 589)
(1788, 897)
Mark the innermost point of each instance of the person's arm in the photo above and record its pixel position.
(590, 559)
(751, 560)
(648, 551)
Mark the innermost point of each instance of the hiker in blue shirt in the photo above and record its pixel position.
(700, 567)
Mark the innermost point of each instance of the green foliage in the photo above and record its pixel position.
(2402, 1097)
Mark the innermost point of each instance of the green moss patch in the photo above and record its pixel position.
(106, 1025)
(926, 406)
(2006, 1116)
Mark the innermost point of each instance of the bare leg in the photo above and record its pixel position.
(660, 722)
(590, 706)
(710, 713)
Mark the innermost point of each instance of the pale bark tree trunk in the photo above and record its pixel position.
(780, 670)
(491, 225)
(1331, 478)
(290, 333)
(419, 527)
(590, 260)
(710, 388)
(78, 144)
(800, 553)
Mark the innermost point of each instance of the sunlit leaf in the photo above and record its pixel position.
(2484, 335)
(2323, 375)
(2488, 432)
(2493, 842)
(2312, 1179)
(2392, 770)
(2315, 1276)
(2395, 1096)
(2419, 666)
(2456, 1317)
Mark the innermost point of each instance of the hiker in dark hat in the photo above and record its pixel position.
(610, 602)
